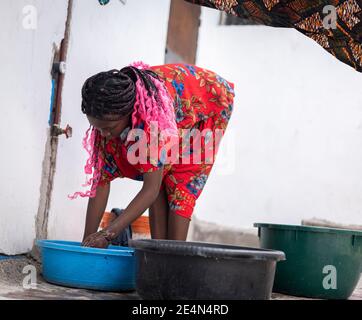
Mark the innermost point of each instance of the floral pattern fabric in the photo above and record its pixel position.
(203, 100)
(310, 17)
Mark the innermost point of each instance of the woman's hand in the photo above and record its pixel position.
(95, 210)
(101, 239)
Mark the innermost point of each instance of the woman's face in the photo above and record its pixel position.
(110, 129)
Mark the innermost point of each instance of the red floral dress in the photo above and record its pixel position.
(202, 100)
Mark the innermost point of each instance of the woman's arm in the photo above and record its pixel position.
(142, 201)
(95, 209)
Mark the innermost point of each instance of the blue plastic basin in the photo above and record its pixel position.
(69, 264)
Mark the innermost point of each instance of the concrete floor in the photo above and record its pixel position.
(11, 280)
(11, 285)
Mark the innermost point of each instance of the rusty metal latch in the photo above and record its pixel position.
(57, 131)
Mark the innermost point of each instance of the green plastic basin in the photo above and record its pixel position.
(320, 262)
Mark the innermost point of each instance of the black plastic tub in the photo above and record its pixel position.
(170, 270)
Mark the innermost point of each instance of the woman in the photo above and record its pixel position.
(161, 125)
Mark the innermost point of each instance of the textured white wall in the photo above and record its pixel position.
(297, 126)
(25, 58)
(102, 38)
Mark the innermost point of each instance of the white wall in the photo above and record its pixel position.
(25, 58)
(296, 130)
(102, 38)
(297, 126)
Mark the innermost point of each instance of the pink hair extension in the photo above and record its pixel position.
(160, 110)
(140, 65)
(91, 145)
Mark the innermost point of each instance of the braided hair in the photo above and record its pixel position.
(111, 95)
(114, 94)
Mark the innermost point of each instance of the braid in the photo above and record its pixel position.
(144, 75)
(108, 95)
(111, 95)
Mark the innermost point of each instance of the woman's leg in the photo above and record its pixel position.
(159, 216)
(178, 227)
